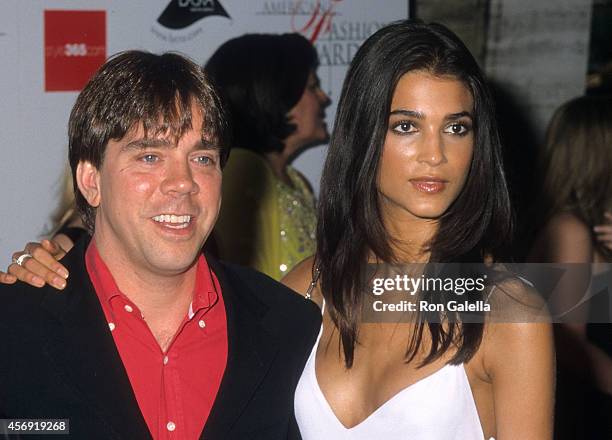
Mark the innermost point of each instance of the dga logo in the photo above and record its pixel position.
(180, 14)
(75, 47)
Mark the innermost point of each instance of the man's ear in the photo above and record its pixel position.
(88, 181)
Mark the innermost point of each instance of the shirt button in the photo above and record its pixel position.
(128, 308)
(111, 326)
(165, 360)
(201, 323)
(283, 267)
(170, 426)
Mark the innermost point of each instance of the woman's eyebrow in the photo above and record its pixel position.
(421, 115)
(459, 115)
(411, 113)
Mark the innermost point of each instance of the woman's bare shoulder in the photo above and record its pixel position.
(514, 290)
(300, 278)
(564, 238)
(518, 324)
(519, 361)
(567, 226)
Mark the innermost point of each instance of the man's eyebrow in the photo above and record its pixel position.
(411, 113)
(209, 145)
(144, 143)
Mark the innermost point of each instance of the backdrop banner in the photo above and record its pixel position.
(50, 48)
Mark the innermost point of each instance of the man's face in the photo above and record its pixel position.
(157, 200)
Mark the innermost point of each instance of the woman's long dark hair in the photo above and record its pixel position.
(576, 163)
(350, 225)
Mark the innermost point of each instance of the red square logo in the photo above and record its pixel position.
(75, 47)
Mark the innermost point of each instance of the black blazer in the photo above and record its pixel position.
(58, 358)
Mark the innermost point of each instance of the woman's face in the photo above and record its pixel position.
(309, 116)
(428, 146)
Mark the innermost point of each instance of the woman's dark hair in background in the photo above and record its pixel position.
(135, 87)
(350, 226)
(262, 77)
(577, 163)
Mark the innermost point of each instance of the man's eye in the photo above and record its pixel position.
(149, 158)
(203, 160)
(404, 127)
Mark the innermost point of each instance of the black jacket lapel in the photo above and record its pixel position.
(83, 350)
(251, 350)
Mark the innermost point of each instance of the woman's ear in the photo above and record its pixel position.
(88, 181)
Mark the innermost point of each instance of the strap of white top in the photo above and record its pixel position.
(313, 283)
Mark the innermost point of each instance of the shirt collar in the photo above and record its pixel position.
(205, 296)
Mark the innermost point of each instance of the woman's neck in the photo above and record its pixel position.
(410, 236)
(278, 163)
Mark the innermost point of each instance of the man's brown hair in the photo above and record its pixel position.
(136, 87)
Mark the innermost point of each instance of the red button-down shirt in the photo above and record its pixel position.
(175, 390)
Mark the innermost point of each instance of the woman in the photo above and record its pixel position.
(414, 175)
(267, 218)
(577, 190)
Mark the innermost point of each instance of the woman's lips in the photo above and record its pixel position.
(428, 185)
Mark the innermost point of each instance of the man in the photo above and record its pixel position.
(150, 338)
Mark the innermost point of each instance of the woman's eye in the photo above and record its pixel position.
(314, 87)
(404, 127)
(457, 128)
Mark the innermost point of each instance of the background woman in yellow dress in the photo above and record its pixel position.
(269, 83)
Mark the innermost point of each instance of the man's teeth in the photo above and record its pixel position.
(176, 219)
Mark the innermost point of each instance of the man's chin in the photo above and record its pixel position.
(173, 264)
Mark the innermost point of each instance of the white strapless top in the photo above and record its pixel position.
(438, 407)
